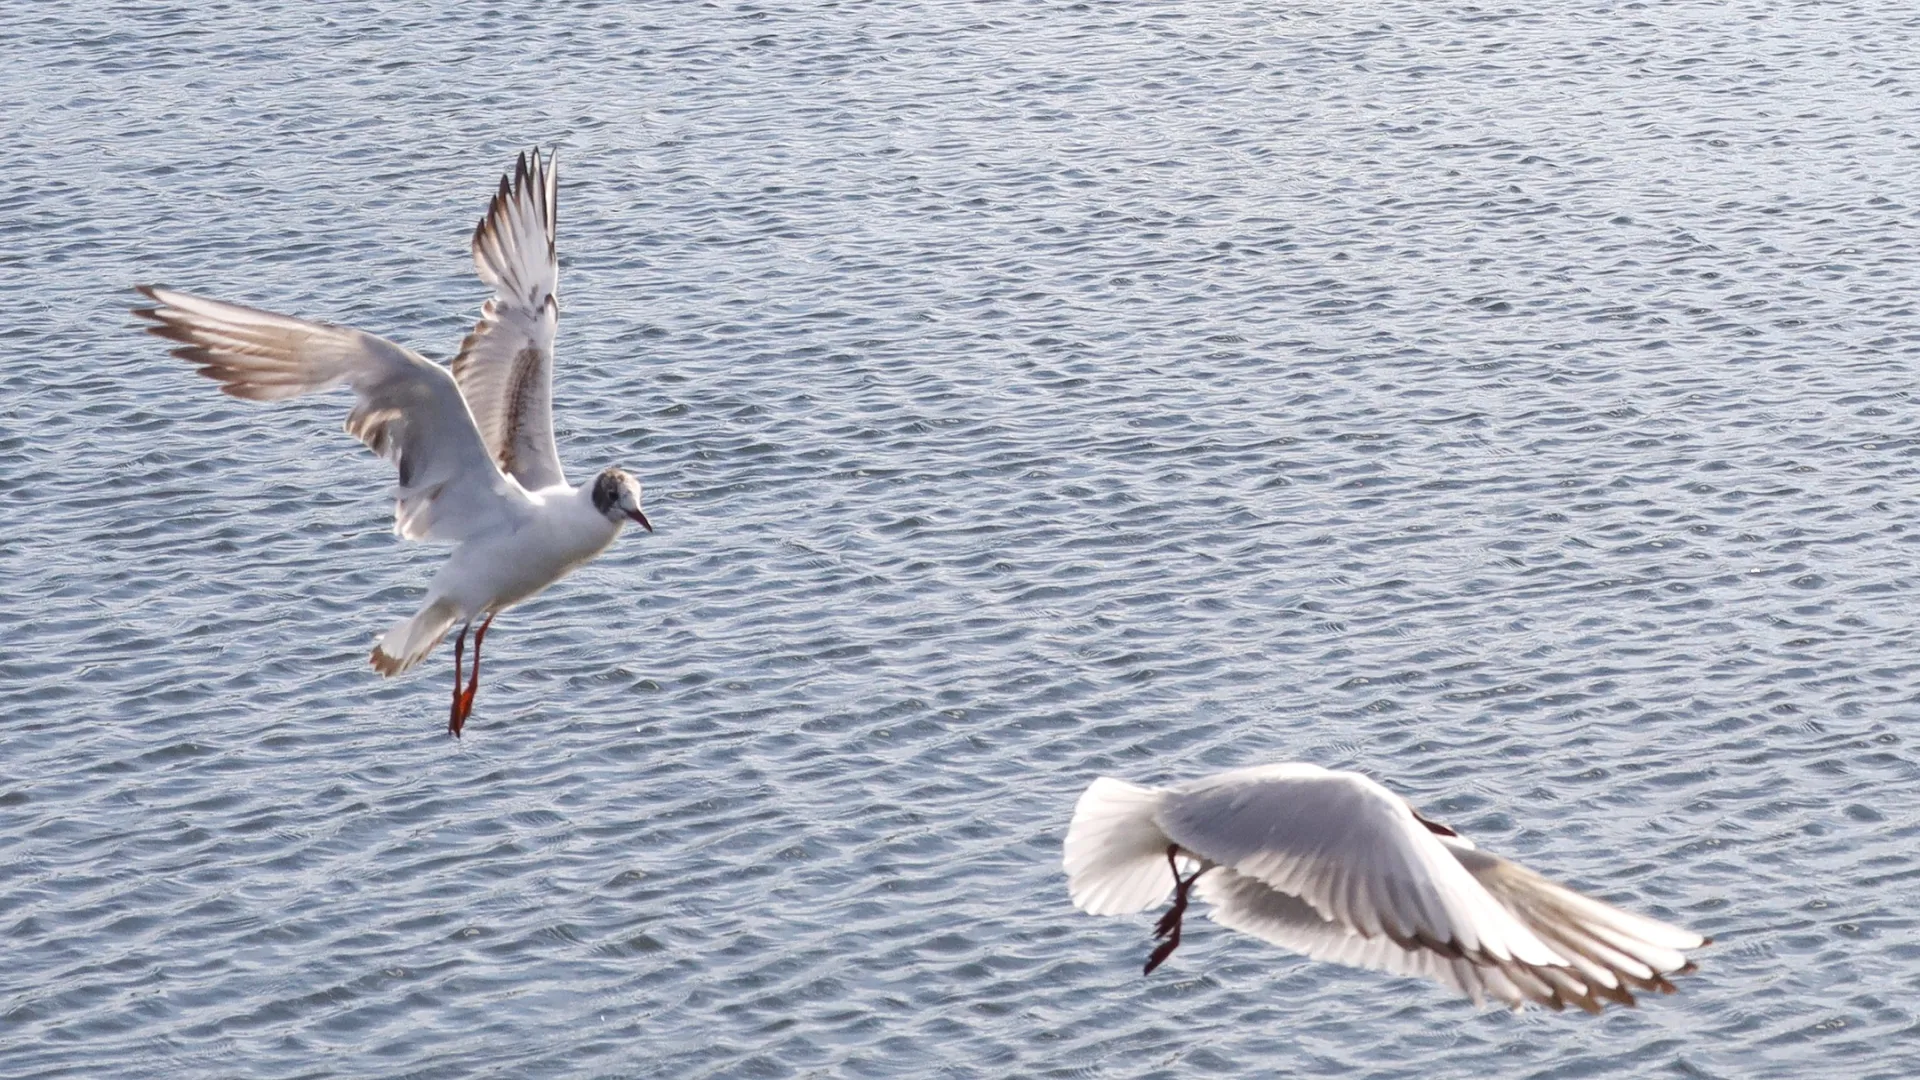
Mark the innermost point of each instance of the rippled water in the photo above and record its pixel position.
(1512, 403)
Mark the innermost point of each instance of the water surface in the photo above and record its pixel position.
(1511, 403)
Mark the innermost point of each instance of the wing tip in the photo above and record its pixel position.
(151, 292)
(530, 186)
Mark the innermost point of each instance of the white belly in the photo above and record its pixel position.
(491, 574)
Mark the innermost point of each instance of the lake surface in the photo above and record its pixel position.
(1512, 403)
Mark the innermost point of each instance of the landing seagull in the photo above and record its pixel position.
(1335, 866)
(474, 447)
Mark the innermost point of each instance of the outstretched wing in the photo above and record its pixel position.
(1353, 851)
(1609, 948)
(1249, 906)
(409, 410)
(505, 366)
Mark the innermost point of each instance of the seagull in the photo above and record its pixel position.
(474, 448)
(1333, 865)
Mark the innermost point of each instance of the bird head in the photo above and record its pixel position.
(617, 495)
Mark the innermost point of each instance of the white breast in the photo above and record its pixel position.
(494, 572)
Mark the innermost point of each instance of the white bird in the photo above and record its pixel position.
(474, 447)
(1335, 866)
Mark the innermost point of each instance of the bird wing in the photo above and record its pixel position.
(1611, 949)
(1248, 905)
(409, 410)
(505, 366)
(1354, 852)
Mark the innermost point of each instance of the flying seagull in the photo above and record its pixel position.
(474, 447)
(1335, 866)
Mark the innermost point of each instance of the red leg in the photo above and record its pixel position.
(454, 717)
(1169, 927)
(465, 703)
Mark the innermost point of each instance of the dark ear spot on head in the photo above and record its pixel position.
(606, 492)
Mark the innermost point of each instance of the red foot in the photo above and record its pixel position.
(1169, 927)
(463, 699)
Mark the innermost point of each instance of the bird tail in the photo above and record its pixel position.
(1116, 854)
(411, 640)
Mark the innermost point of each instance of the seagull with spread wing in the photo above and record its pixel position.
(1335, 866)
(474, 447)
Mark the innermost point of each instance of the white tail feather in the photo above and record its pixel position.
(1116, 855)
(411, 640)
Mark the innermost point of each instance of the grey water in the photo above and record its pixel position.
(1511, 402)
